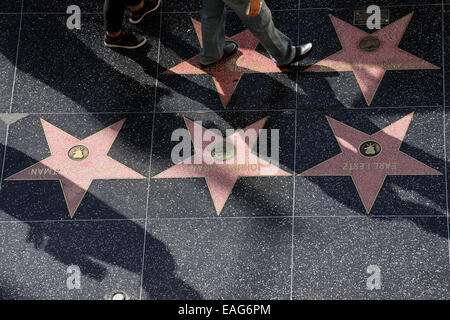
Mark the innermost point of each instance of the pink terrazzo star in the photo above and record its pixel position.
(370, 66)
(222, 175)
(76, 163)
(227, 74)
(368, 159)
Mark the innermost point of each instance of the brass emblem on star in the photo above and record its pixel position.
(370, 149)
(223, 151)
(369, 44)
(78, 153)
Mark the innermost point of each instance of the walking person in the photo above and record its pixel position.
(216, 48)
(113, 12)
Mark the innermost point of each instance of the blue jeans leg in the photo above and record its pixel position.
(274, 41)
(213, 30)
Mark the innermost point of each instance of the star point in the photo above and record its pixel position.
(222, 174)
(370, 55)
(227, 74)
(369, 159)
(76, 163)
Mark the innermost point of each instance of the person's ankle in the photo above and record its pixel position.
(138, 7)
(114, 34)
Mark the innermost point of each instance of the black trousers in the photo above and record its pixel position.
(113, 11)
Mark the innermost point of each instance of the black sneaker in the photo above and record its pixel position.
(149, 6)
(229, 49)
(301, 52)
(125, 40)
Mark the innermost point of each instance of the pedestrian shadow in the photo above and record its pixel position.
(91, 244)
(87, 90)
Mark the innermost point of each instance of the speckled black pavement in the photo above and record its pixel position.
(289, 236)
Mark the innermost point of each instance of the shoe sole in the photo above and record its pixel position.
(143, 16)
(109, 45)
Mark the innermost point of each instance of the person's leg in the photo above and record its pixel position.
(135, 5)
(113, 11)
(213, 31)
(140, 8)
(276, 43)
(115, 37)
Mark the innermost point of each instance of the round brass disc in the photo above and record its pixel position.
(78, 153)
(370, 149)
(223, 151)
(119, 296)
(369, 44)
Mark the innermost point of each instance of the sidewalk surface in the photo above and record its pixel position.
(88, 183)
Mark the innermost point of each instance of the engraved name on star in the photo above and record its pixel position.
(76, 163)
(227, 74)
(369, 159)
(369, 56)
(222, 169)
